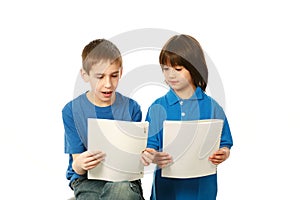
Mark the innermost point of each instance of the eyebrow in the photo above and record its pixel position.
(115, 72)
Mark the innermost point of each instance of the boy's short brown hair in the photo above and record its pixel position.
(100, 50)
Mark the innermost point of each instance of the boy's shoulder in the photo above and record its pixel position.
(212, 101)
(161, 100)
(121, 99)
(78, 99)
(170, 97)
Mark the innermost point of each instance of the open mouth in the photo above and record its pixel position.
(107, 92)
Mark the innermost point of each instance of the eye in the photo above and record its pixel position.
(115, 75)
(178, 69)
(165, 68)
(99, 77)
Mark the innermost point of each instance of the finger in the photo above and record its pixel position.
(150, 151)
(215, 161)
(162, 157)
(90, 165)
(162, 154)
(165, 160)
(100, 155)
(144, 161)
(95, 158)
(95, 152)
(220, 152)
(163, 164)
(147, 157)
(217, 158)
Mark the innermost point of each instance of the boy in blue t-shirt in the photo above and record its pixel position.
(102, 68)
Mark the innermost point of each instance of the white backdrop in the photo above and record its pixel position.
(254, 45)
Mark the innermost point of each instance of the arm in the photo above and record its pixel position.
(86, 161)
(226, 139)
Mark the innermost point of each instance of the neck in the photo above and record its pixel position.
(186, 93)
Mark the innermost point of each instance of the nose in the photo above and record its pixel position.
(172, 72)
(107, 82)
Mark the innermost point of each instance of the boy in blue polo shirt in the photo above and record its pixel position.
(102, 68)
(183, 64)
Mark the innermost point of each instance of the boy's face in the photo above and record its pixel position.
(104, 79)
(178, 78)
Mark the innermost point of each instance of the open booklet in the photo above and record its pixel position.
(190, 143)
(122, 142)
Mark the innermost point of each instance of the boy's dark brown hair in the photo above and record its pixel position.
(184, 50)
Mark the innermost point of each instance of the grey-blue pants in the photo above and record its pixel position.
(86, 189)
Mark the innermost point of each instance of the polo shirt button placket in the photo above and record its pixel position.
(181, 103)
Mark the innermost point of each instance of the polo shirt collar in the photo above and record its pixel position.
(173, 98)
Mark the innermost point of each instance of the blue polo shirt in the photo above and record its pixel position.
(171, 107)
(75, 115)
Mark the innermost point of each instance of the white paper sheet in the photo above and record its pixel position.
(190, 143)
(123, 142)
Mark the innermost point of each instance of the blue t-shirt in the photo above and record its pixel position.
(171, 107)
(75, 115)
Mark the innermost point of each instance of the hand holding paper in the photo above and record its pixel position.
(87, 160)
(219, 156)
(162, 159)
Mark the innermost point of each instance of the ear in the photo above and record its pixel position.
(84, 75)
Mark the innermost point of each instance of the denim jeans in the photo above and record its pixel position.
(87, 189)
